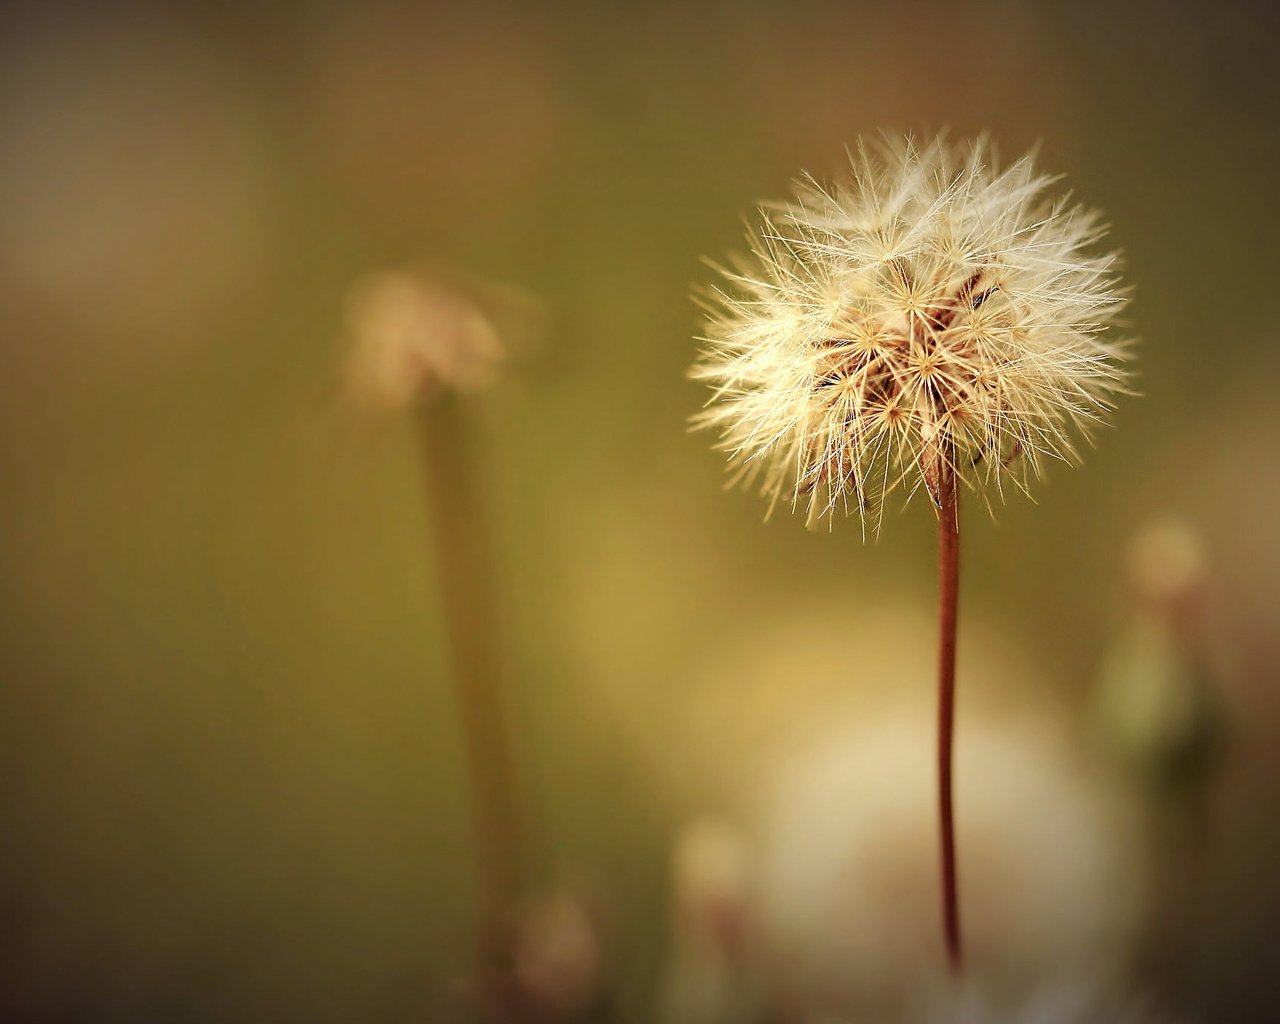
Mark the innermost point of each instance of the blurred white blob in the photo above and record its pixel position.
(1066, 1004)
(1048, 875)
(559, 960)
(710, 977)
(414, 334)
(133, 194)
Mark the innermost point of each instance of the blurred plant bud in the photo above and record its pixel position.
(415, 334)
(710, 978)
(1155, 702)
(710, 868)
(559, 957)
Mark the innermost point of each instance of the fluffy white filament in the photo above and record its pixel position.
(930, 311)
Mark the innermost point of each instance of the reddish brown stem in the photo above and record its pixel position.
(949, 586)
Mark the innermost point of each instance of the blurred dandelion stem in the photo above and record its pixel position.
(466, 587)
(948, 587)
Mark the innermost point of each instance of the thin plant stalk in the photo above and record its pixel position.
(459, 540)
(948, 586)
(842, 355)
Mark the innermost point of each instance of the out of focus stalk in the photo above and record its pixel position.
(459, 538)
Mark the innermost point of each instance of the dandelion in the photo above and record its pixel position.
(1158, 708)
(1156, 702)
(419, 336)
(425, 343)
(932, 316)
(931, 320)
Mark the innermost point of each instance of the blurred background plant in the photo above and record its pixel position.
(232, 779)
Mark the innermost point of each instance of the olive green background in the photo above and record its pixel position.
(230, 775)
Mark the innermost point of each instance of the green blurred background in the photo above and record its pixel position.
(232, 777)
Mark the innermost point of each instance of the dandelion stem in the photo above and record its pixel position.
(465, 581)
(949, 586)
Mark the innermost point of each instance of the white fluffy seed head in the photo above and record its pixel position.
(930, 312)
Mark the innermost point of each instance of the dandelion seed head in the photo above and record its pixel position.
(414, 335)
(930, 311)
